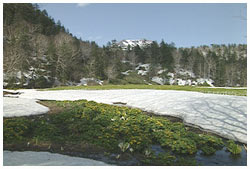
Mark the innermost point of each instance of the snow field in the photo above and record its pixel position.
(29, 158)
(221, 114)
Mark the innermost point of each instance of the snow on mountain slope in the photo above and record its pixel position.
(132, 43)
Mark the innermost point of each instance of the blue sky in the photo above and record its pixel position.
(184, 24)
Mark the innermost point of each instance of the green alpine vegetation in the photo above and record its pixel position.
(224, 91)
(128, 132)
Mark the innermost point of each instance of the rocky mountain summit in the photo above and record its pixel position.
(129, 44)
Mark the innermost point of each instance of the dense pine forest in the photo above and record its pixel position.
(40, 52)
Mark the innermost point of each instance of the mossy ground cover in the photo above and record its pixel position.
(90, 127)
(224, 91)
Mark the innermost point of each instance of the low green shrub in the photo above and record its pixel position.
(233, 148)
(160, 159)
(108, 126)
(16, 129)
(207, 150)
(134, 78)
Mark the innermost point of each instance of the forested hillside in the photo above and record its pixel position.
(40, 52)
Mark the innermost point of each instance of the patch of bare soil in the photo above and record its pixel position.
(53, 108)
(11, 93)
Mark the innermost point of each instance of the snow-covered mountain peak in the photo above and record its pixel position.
(124, 44)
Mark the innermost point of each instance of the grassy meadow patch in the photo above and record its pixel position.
(224, 91)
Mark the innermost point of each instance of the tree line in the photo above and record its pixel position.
(32, 39)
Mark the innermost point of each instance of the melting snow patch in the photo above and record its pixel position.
(85, 81)
(181, 82)
(161, 71)
(126, 73)
(171, 74)
(14, 107)
(28, 74)
(142, 72)
(143, 69)
(5, 84)
(171, 81)
(29, 158)
(158, 80)
(19, 75)
(186, 73)
(208, 111)
(208, 81)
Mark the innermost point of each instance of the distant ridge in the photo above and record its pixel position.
(124, 44)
